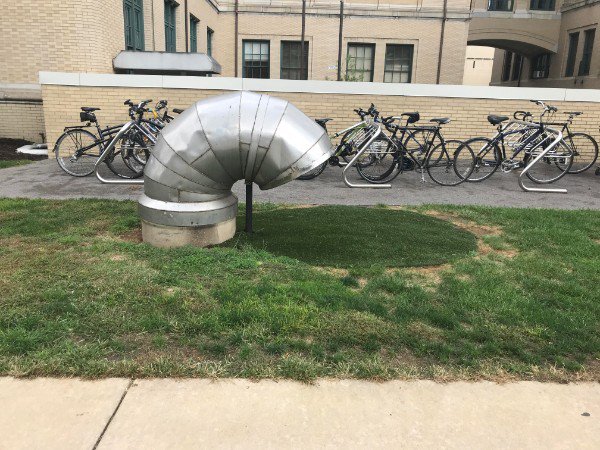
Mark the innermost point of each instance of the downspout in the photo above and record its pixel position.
(302, 40)
(442, 32)
(217, 141)
(187, 26)
(236, 33)
(153, 26)
(340, 42)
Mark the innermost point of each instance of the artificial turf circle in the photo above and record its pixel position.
(351, 237)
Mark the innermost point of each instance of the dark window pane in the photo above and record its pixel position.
(291, 62)
(170, 39)
(506, 66)
(517, 64)
(398, 63)
(540, 66)
(256, 59)
(209, 41)
(542, 5)
(500, 5)
(193, 34)
(134, 24)
(573, 44)
(588, 47)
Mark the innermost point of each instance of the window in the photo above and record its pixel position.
(194, 34)
(290, 60)
(540, 66)
(542, 5)
(500, 5)
(517, 65)
(170, 41)
(398, 63)
(359, 63)
(573, 43)
(209, 41)
(256, 59)
(588, 47)
(134, 24)
(506, 66)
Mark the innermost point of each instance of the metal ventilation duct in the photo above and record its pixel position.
(199, 156)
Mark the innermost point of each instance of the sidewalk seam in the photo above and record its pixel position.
(112, 416)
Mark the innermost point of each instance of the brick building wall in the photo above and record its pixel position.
(61, 107)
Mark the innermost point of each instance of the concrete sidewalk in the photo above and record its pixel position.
(44, 179)
(157, 414)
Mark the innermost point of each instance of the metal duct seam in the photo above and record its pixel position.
(218, 141)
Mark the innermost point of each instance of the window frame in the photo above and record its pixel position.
(362, 71)
(536, 5)
(170, 27)
(209, 40)
(493, 5)
(506, 66)
(392, 72)
(588, 52)
(194, 22)
(541, 63)
(134, 31)
(268, 64)
(572, 54)
(304, 75)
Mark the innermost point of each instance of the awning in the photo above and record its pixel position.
(165, 63)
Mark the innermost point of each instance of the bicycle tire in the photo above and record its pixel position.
(442, 160)
(314, 173)
(386, 163)
(484, 166)
(585, 151)
(547, 170)
(67, 145)
(116, 161)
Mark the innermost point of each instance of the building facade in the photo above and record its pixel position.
(564, 54)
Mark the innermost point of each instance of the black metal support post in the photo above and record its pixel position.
(248, 208)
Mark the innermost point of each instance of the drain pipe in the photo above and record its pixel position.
(340, 42)
(302, 40)
(200, 155)
(187, 26)
(236, 33)
(442, 33)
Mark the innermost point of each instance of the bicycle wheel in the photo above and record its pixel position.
(121, 161)
(487, 157)
(585, 151)
(379, 162)
(76, 152)
(314, 173)
(552, 167)
(447, 166)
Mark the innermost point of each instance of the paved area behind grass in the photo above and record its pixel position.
(44, 179)
(235, 413)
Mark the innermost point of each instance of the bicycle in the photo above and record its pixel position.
(584, 146)
(78, 150)
(412, 147)
(526, 138)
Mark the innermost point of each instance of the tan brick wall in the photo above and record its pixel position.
(21, 120)
(59, 35)
(61, 107)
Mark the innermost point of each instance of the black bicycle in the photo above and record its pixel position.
(411, 147)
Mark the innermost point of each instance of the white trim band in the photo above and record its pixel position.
(319, 87)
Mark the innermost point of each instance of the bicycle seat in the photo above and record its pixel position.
(573, 113)
(323, 121)
(177, 110)
(412, 117)
(495, 120)
(441, 120)
(89, 109)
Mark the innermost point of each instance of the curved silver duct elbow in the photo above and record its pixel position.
(200, 155)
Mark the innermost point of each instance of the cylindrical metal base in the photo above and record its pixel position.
(204, 236)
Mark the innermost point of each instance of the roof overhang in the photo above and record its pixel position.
(165, 63)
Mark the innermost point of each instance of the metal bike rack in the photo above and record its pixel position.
(554, 143)
(105, 154)
(376, 129)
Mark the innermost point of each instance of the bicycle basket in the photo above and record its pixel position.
(85, 116)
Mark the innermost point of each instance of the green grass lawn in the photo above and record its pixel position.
(431, 292)
(14, 163)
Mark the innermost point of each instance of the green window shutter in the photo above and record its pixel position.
(133, 13)
(170, 40)
(193, 34)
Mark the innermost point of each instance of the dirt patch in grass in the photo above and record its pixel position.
(134, 236)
